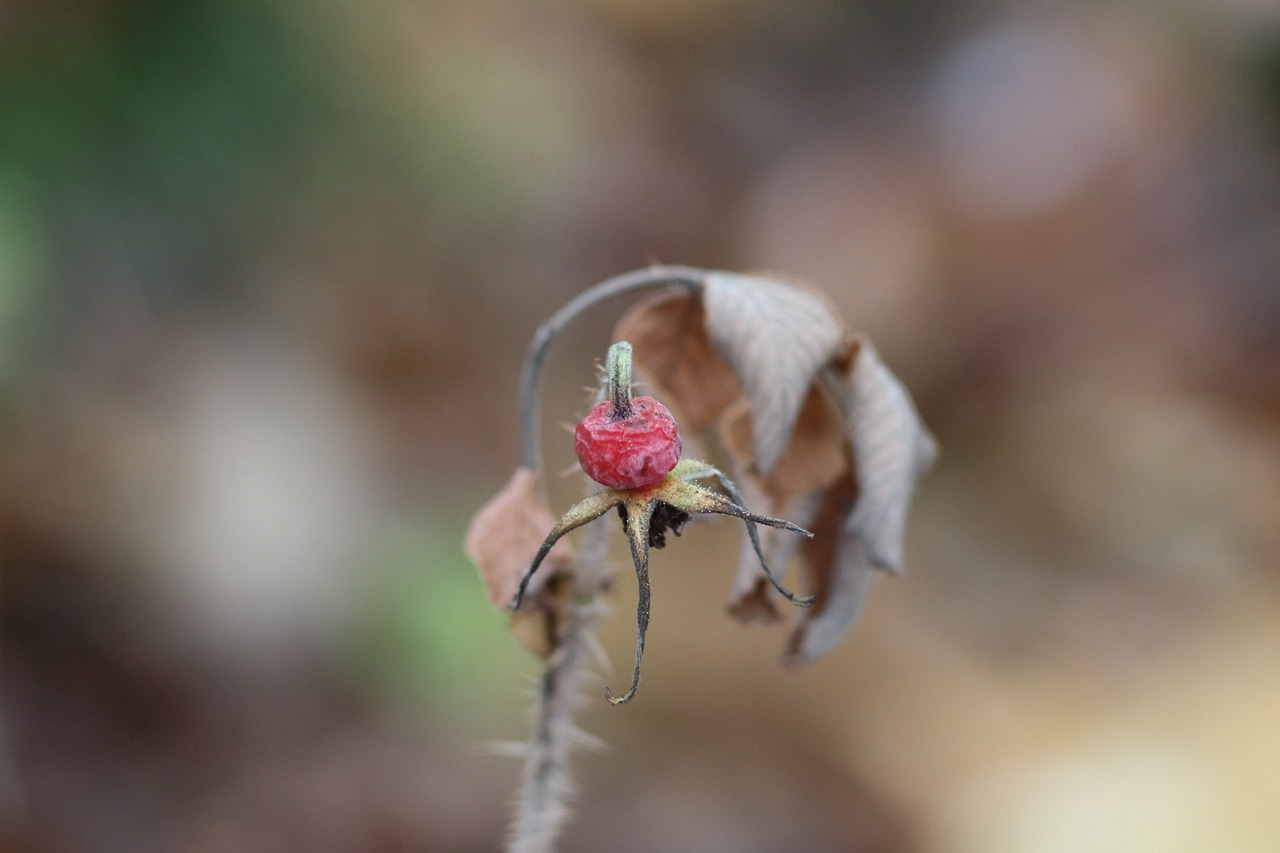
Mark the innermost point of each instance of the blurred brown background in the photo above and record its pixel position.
(267, 270)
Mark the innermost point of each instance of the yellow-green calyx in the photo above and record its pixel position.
(648, 512)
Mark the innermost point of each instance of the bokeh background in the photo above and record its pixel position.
(267, 271)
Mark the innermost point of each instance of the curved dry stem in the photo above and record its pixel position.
(690, 278)
(637, 524)
(585, 510)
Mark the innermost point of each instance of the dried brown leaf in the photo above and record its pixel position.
(860, 529)
(891, 449)
(505, 535)
(776, 337)
(815, 458)
(671, 349)
(839, 577)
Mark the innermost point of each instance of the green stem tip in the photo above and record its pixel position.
(618, 368)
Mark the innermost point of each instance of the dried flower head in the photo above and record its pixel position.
(649, 507)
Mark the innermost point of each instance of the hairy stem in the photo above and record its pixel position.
(542, 807)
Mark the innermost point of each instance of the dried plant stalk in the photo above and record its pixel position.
(542, 807)
(546, 788)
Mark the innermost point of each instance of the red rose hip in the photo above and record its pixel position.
(636, 448)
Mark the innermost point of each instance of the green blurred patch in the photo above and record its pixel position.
(172, 126)
(24, 261)
(170, 143)
(1263, 67)
(430, 634)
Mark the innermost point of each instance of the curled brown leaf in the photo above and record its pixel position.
(668, 335)
(839, 577)
(776, 337)
(816, 456)
(861, 527)
(892, 449)
(817, 426)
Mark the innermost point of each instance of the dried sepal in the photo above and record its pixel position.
(584, 511)
(506, 533)
(636, 519)
(691, 497)
(648, 513)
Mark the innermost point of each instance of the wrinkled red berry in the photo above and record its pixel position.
(627, 453)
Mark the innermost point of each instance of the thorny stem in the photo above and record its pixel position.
(689, 278)
(541, 809)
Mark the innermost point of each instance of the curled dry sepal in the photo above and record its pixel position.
(815, 424)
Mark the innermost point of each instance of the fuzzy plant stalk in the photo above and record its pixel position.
(546, 784)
